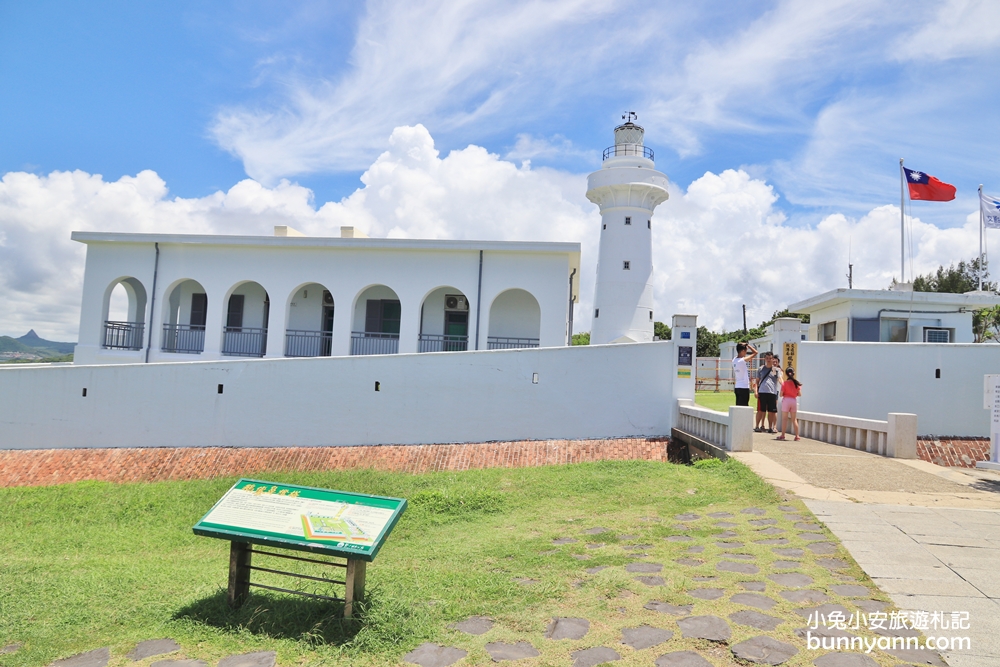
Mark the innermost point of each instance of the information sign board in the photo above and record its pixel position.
(992, 403)
(337, 523)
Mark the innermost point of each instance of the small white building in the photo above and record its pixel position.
(893, 316)
(201, 297)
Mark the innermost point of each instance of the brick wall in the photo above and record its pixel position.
(953, 452)
(59, 466)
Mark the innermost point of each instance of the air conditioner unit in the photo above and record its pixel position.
(327, 297)
(937, 335)
(455, 302)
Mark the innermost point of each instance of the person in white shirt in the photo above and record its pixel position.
(741, 372)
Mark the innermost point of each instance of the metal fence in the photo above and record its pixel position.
(715, 374)
(365, 342)
(302, 343)
(628, 149)
(183, 338)
(123, 335)
(244, 342)
(505, 343)
(442, 343)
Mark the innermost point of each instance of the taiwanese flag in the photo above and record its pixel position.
(924, 187)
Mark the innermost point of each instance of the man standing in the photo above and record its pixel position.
(767, 392)
(741, 373)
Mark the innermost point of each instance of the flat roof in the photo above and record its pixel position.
(838, 296)
(326, 242)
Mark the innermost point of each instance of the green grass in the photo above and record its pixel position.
(92, 564)
(715, 400)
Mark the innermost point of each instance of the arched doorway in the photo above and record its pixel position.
(375, 325)
(515, 321)
(124, 315)
(444, 321)
(310, 322)
(184, 317)
(247, 310)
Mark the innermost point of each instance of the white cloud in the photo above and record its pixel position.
(718, 245)
(446, 63)
(958, 28)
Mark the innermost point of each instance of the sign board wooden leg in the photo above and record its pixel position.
(355, 585)
(239, 573)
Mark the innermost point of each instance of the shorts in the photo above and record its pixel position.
(742, 396)
(788, 404)
(767, 402)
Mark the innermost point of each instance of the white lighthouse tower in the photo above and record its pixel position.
(627, 188)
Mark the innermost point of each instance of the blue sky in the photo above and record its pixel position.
(816, 101)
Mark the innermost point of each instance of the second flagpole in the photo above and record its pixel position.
(902, 225)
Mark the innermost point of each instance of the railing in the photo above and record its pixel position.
(244, 342)
(366, 342)
(123, 335)
(732, 432)
(442, 343)
(302, 343)
(628, 149)
(896, 437)
(183, 338)
(507, 343)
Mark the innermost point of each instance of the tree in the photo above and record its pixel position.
(986, 324)
(661, 330)
(955, 279)
(708, 343)
(582, 338)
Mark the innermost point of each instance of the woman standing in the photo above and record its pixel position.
(791, 389)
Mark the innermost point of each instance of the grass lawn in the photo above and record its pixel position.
(95, 564)
(715, 400)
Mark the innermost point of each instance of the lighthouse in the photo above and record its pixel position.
(627, 188)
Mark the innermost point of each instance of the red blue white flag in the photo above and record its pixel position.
(924, 187)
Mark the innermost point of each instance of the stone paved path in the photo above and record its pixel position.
(928, 536)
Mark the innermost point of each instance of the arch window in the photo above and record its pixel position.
(515, 321)
(310, 322)
(444, 321)
(247, 312)
(124, 315)
(375, 326)
(184, 317)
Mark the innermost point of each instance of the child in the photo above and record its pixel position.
(791, 389)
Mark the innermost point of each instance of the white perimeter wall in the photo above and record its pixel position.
(582, 392)
(870, 380)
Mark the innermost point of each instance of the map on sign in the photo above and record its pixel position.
(301, 517)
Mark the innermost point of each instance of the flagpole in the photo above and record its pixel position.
(902, 225)
(980, 237)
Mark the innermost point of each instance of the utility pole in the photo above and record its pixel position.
(745, 319)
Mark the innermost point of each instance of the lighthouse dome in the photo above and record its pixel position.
(629, 133)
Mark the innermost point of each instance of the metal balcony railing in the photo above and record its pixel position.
(628, 149)
(507, 343)
(244, 342)
(123, 335)
(183, 338)
(366, 342)
(303, 343)
(442, 343)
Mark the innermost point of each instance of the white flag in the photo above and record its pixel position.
(991, 210)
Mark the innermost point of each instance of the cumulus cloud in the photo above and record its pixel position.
(721, 243)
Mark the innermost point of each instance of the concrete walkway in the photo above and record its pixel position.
(928, 536)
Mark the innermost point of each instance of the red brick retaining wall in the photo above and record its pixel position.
(953, 452)
(59, 466)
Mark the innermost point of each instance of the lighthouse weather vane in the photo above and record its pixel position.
(630, 116)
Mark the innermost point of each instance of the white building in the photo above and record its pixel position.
(627, 188)
(893, 316)
(200, 297)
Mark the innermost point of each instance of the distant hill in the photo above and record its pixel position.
(31, 339)
(31, 347)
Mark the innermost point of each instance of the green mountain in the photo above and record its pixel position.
(30, 347)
